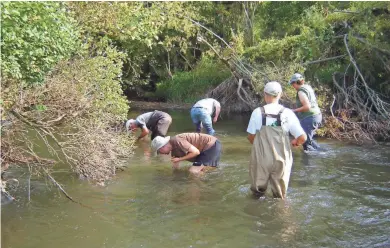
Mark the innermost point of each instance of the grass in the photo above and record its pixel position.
(188, 87)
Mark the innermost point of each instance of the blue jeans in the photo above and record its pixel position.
(310, 125)
(200, 117)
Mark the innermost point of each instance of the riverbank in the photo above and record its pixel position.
(158, 105)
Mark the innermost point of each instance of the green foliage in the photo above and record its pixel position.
(280, 19)
(34, 37)
(145, 31)
(97, 79)
(188, 87)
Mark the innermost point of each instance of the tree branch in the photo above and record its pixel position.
(323, 60)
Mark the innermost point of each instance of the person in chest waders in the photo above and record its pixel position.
(271, 155)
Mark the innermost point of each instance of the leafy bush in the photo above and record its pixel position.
(34, 37)
(189, 86)
(77, 113)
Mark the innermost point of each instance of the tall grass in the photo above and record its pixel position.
(188, 87)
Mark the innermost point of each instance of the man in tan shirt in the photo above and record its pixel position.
(201, 149)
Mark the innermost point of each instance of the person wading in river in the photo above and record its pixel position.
(205, 112)
(307, 110)
(201, 149)
(157, 122)
(271, 156)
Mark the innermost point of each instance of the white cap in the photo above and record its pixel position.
(128, 122)
(296, 77)
(159, 142)
(273, 88)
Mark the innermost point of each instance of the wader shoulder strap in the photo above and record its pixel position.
(264, 116)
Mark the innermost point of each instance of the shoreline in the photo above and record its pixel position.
(158, 105)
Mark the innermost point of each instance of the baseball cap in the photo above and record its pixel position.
(273, 88)
(296, 77)
(159, 142)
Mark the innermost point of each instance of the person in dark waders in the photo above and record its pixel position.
(307, 110)
(156, 122)
(271, 155)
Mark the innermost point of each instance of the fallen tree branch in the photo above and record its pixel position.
(62, 190)
(239, 95)
(323, 60)
(362, 78)
(370, 45)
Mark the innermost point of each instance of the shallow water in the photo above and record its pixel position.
(336, 198)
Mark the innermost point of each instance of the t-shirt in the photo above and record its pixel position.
(181, 143)
(209, 104)
(143, 119)
(289, 120)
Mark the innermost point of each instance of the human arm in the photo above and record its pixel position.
(251, 138)
(192, 152)
(304, 101)
(217, 111)
(299, 141)
(295, 128)
(254, 124)
(144, 132)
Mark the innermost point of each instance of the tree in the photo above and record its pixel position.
(34, 37)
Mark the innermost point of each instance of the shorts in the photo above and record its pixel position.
(159, 124)
(209, 157)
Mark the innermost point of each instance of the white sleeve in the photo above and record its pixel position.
(294, 126)
(254, 122)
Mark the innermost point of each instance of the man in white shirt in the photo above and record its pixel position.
(271, 156)
(205, 112)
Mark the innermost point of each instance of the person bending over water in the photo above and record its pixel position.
(157, 122)
(205, 112)
(201, 149)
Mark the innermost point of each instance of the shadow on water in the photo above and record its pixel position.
(338, 197)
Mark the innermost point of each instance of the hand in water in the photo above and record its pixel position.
(175, 160)
(175, 165)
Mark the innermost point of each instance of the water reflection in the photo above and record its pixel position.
(144, 145)
(338, 198)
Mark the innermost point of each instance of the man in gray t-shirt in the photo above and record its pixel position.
(157, 122)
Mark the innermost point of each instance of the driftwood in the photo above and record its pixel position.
(235, 95)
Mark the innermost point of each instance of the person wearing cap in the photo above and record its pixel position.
(268, 132)
(201, 149)
(156, 122)
(307, 110)
(205, 112)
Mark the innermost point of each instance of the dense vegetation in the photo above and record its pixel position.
(66, 67)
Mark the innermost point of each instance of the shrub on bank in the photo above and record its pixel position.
(188, 87)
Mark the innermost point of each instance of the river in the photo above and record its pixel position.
(339, 197)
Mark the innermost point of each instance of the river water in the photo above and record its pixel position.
(336, 198)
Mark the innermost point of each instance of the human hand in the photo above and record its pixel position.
(175, 160)
(214, 120)
(294, 142)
